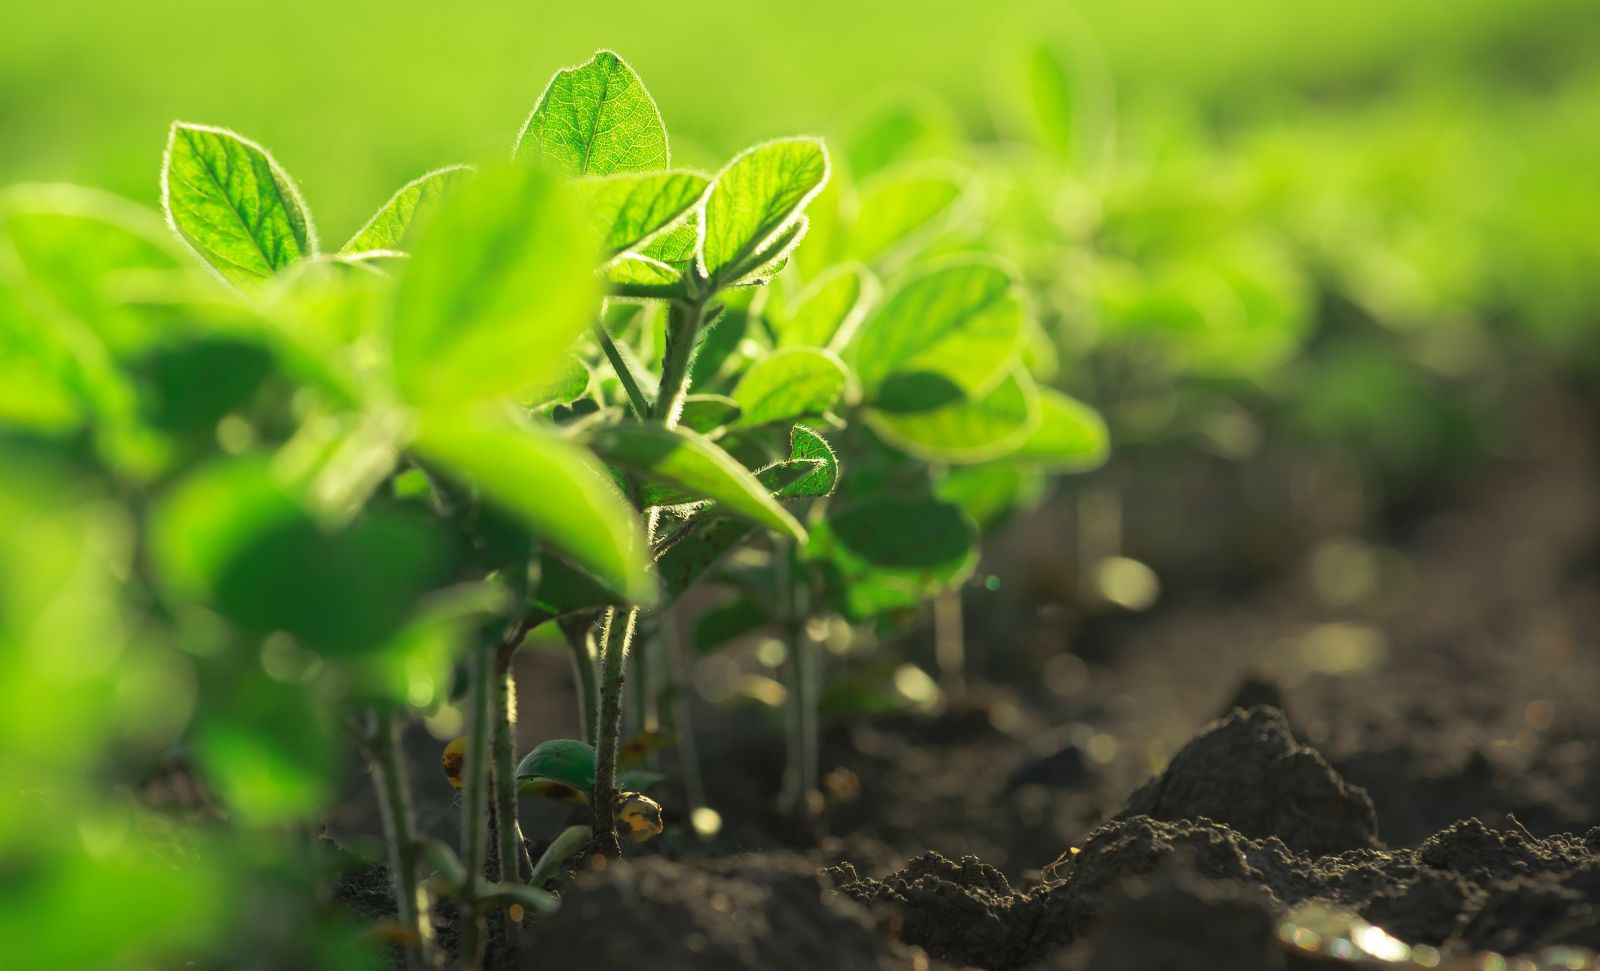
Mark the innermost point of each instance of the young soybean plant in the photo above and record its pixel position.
(423, 377)
(947, 427)
(693, 245)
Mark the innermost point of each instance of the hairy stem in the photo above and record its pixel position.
(630, 383)
(393, 788)
(616, 633)
(684, 321)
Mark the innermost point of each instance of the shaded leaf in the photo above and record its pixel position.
(728, 622)
(705, 413)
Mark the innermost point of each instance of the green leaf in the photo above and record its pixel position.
(770, 261)
(565, 760)
(625, 210)
(394, 225)
(812, 453)
(1063, 99)
(232, 536)
(639, 276)
(569, 383)
(596, 119)
(552, 485)
(499, 287)
(902, 211)
(230, 200)
(759, 195)
(79, 249)
(989, 491)
(694, 550)
(728, 622)
(827, 312)
(963, 321)
(1069, 437)
(792, 383)
(706, 413)
(266, 748)
(964, 429)
(910, 128)
(541, 902)
(890, 550)
(564, 589)
(686, 460)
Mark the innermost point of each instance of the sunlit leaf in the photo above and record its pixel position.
(903, 210)
(963, 322)
(754, 199)
(964, 429)
(789, 384)
(827, 312)
(393, 226)
(552, 485)
(1070, 436)
(500, 285)
(596, 119)
(230, 200)
(688, 461)
(627, 209)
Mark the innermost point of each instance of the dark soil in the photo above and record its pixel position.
(1426, 757)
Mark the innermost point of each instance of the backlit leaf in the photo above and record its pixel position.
(596, 119)
(499, 287)
(793, 383)
(553, 486)
(1069, 437)
(965, 429)
(393, 226)
(963, 321)
(688, 461)
(762, 192)
(230, 200)
(625, 210)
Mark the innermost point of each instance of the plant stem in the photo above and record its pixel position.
(684, 320)
(474, 817)
(507, 828)
(950, 643)
(615, 634)
(619, 364)
(580, 647)
(399, 831)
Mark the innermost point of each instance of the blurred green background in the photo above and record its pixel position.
(357, 96)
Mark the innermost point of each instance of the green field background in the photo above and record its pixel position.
(356, 96)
